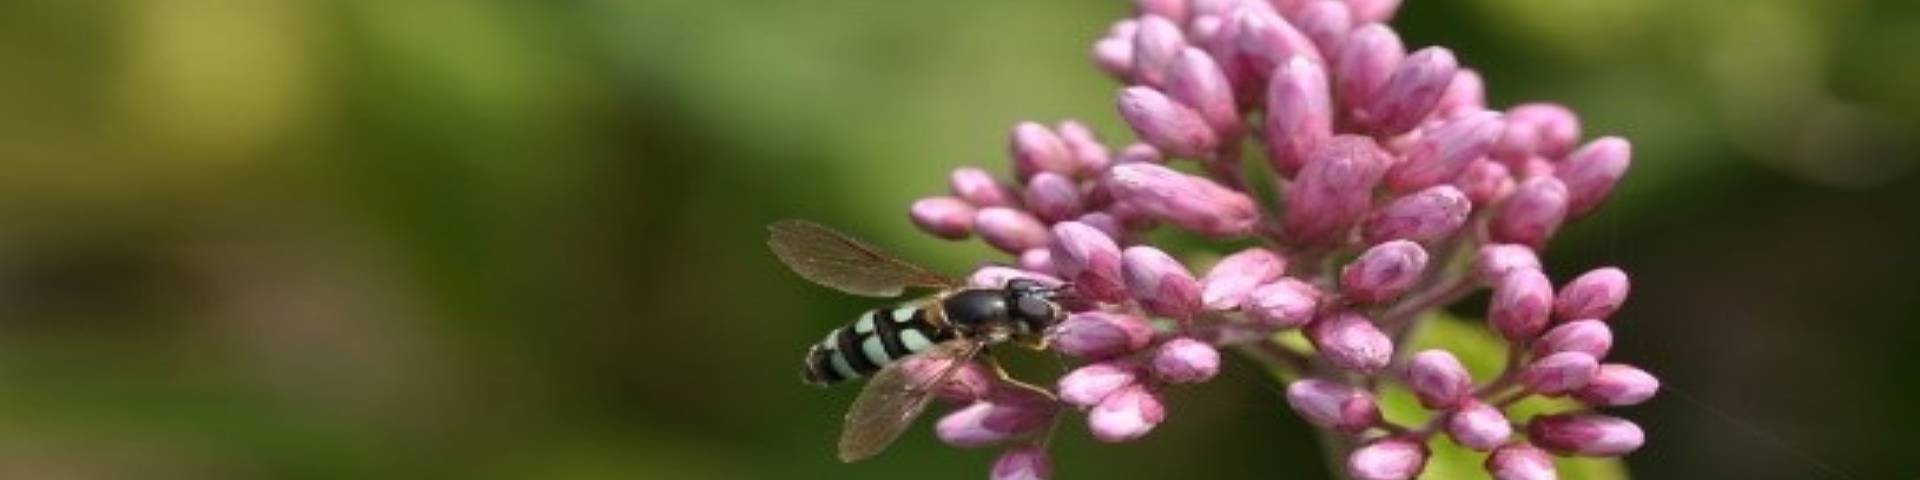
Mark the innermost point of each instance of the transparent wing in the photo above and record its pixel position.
(891, 400)
(833, 259)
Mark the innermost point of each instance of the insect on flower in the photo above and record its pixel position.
(947, 329)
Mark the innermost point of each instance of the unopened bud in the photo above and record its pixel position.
(1228, 284)
(1520, 305)
(1126, 414)
(1185, 360)
(945, 217)
(1283, 304)
(1595, 294)
(1333, 406)
(1392, 458)
(1010, 230)
(1161, 284)
(1383, 272)
(1559, 373)
(1086, 386)
(1438, 379)
(1587, 435)
(1618, 385)
(1425, 216)
(1097, 334)
(1532, 214)
(1349, 341)
(1478, 426)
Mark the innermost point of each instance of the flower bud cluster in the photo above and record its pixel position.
(1398, 190)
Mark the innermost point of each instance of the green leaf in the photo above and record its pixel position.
(1484, 355)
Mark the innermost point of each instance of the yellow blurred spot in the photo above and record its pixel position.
(215, 79)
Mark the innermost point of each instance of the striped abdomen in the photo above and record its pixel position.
(879, 337)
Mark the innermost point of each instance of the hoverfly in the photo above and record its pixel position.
(948, 328)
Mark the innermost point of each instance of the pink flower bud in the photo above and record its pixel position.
(1088, 257)
(1618, 385)
(1022, 463)
(1114, 55)
(995, 276)
(1438, 379)
(1442, 154)
(1165, 124)
(1559, 373)
(1036, 149)
(1467, 94)
(1173, 10)
(1591, 337)
(978, 187)
(1102, 221)
(1154, 49)
(1371, 11)
(1535, 167)
(1299, 114)
(1283, 304)
(971, 382)
(1185, 360)
(1204, 30)
(1411, 92)
(1532, 214)
(1588, 435)
(1425, 216)
(1333, 406)
(945, 217)
(1367, 58)
(1478, 426)
(1391, 458)
(1186, 201)
(1327, 23)
(1140, 153)
(1053, 196)
(1036, 260)
(1126, 414)
(1097, 334)
(1591, 172)
(1334, 189)
(1269, 41)
(1350, 341)
(1196, 81)
(1519, 306)
(1495, 261)
(1520, 462)
(1537, 129)
(1485, 182)
(1088, 152)
(1010, 230)
(1161, 284)
(1086, 386)
(1595, 294)
(1383, 272)
(1233, 279)
(993, 421)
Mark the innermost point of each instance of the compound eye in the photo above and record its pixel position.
(1029, 307)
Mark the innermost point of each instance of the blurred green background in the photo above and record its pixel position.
(517, 239)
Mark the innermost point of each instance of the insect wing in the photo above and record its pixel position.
(828, 257)
(893, 398)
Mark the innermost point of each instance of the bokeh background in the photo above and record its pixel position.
(512, 239)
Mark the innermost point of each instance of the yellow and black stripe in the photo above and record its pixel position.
(878, 338)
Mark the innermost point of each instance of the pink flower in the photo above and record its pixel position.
(1126, 414)
(1160, 283)
(1234, 278)
(1391, 458)
(1520, 462)
(1097, 334)
(1349, 341)
(1185, 360)
(944, 217)
(1587, 435)
(1333, 406)
(1438, 379)
(1478, 426)
(1024, 463)
(1618, 385)
(1384, 272)
(1595, 294)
